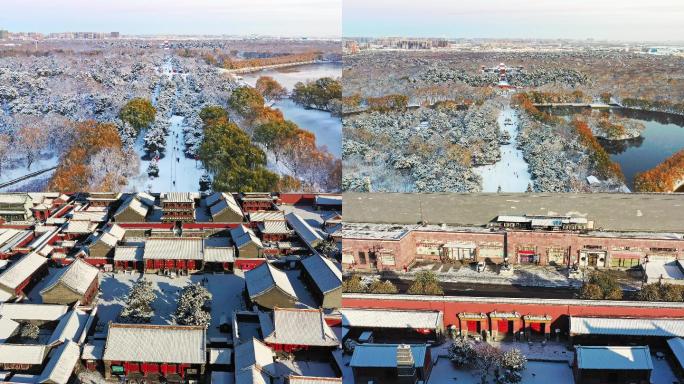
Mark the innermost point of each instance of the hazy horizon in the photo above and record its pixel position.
(287, 18)
(614, 20)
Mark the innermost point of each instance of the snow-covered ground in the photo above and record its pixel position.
(176, 171)
(525, 275)
(537, 372)
(17, 168)
(511, 172)
(226, 290)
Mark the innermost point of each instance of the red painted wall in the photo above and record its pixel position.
(558, 312)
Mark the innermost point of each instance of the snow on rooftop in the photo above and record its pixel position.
(188, 248)
(70, 327)
(128, 253)
(313, 380)
(7, 328)
(61, 365)
(21, 270)
(626, 326)
(32, 354)
(162, 343)
(326, 275)
(37, 312)
(259, 216)
(254, 363)
(265, 277)
(383, 318)
(614, 357)
(297, 327)
(384, 355)
(242, 235)
(78, 277)
(303, 229)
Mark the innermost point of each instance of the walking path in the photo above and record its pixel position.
(511, 172)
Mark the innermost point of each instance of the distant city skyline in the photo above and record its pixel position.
(314, 18)
(627, 20)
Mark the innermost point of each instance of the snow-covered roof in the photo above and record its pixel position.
(253, 363)
(110, 235)
(79, 227)
(298, 327)
(128, 253)
(626, 326)
(78, 277)
(325, 274)
(70, 327)
(93, 350)
(220, 355)
(259, 216)
(21, 270)
(656, 269)
(178, 197)
(160, 343)
(328, 200)
(303, 229)
(614, 357)
(188, 248)
(133, 203)
(32, 354)
(383, 318)
(7, 328)
(274, 227)
(242, 235)
(266, 277)
(61, 365)
(14, 198)
(219, 254)
(94, 216)
(384, 355)
(292, 379)
(226, 201)
(36, 312)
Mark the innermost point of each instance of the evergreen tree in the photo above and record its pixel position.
(192, 304)
(462, 353)
(138, 306)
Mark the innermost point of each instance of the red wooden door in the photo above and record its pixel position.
(472, 326)
(503, 326)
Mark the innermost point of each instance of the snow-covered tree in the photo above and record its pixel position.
(191, 306)
(328, 248)
(205, 182)
(155, 140)
(29, 330)
(487, 359)
(461, 352)
(138, 306)
(511, 365)
(153, 169)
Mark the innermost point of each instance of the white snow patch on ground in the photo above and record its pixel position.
(527, 275)
(17, 167)
(226, 289)
(537, 372)
(511, 172)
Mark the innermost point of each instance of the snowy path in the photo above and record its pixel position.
(177, 173)
(511, 172)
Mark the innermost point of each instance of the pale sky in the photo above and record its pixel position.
(600, 19)
(321, 18)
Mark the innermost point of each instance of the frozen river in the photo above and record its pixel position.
(326, 127)
(511, 172)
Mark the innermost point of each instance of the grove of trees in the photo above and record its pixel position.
(317, 94)
(228, 153)
(663, 177)
(506, 367)
(601, 285)
(95, 161)
(192, 303)
(425, 283)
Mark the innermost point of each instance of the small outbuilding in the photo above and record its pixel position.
(612, 365)
(270, 287)
(77, 283)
